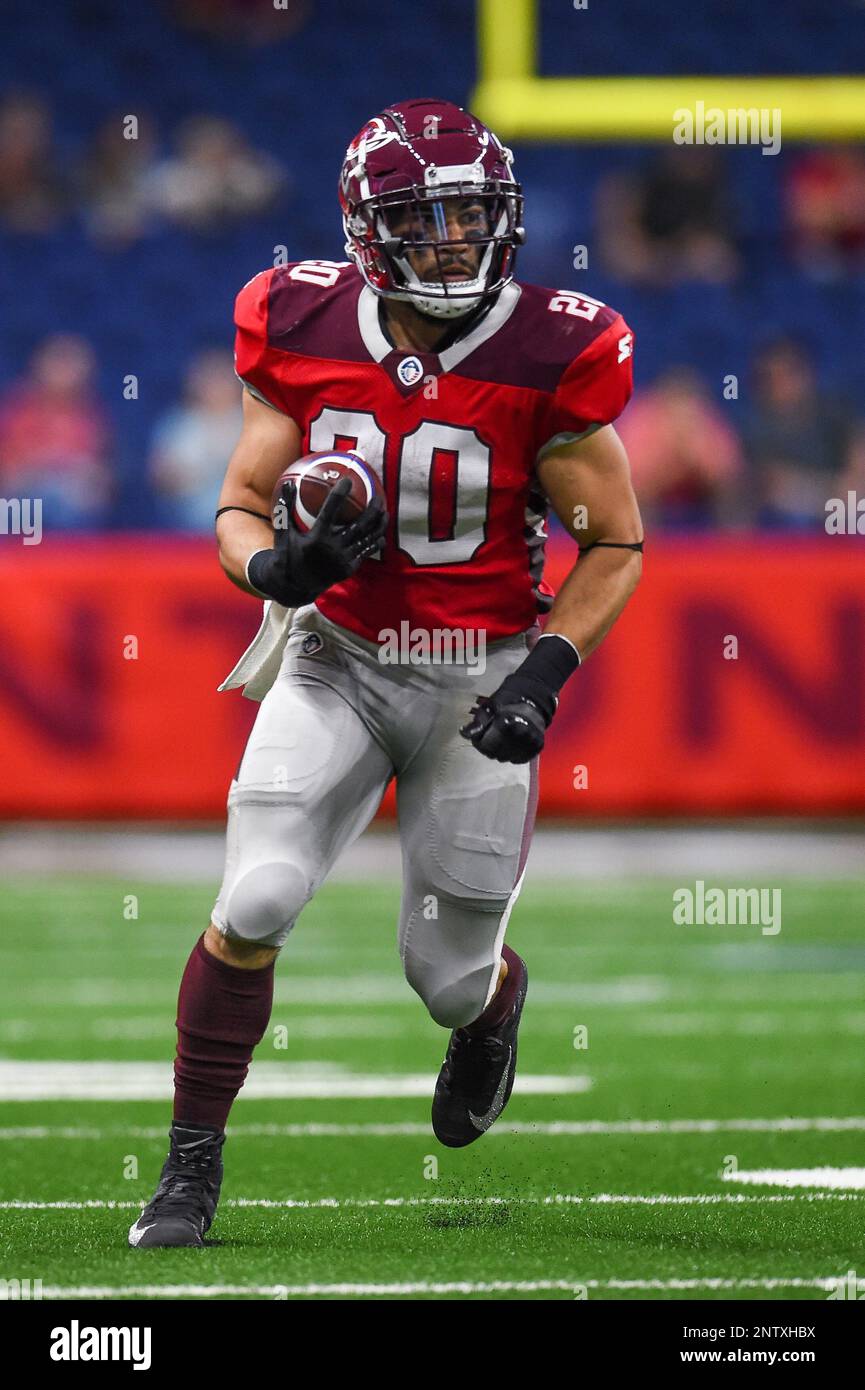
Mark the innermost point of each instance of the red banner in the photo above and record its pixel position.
(734, 683)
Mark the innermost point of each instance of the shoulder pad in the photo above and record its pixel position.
(558, 326)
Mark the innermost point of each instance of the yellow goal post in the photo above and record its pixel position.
(518, 104)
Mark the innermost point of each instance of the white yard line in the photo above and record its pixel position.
(556, 1199)
(20, 1081)
(726, 1022)
(827, 1283)
(800, 1177)
(789, 1124)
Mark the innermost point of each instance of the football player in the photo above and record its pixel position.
(477, 401)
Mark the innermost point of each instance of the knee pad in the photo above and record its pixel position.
(452, 973)
(264, 902)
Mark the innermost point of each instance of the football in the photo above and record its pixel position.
(314, 475)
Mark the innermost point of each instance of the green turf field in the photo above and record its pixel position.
(720, 1035)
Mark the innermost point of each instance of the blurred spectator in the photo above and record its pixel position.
(825, 208)
(250, 21)
(54, 437)
(803, 446)
(686, 459)
(114, 181)
(670, 222)
(215, 176)
(193, 443)
(32, 194)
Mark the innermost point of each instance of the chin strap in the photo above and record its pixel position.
(452, 329)
(457, 325)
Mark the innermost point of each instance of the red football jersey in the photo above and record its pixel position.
(454, 436)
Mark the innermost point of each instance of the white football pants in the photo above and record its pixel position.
(333, 730)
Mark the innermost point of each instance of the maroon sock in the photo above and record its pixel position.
(501, 1004)
(222, 1012)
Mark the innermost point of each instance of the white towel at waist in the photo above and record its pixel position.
(259, 666)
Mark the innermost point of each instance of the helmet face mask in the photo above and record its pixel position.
(442, 237)
(444, 250)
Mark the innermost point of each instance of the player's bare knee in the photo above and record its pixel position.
(247, 955)
(264, 902)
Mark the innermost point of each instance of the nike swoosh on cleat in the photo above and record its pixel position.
(483, 1122)
(136, 1232)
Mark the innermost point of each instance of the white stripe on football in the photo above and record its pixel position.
(352, 464)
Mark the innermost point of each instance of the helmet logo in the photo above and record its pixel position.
(372, 137)
(409, 370)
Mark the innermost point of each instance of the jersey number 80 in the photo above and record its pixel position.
(431, 444)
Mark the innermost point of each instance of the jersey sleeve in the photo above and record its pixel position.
(593, 390)
(250, 341)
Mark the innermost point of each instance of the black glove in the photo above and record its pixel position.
(510, 725)
(302, 565)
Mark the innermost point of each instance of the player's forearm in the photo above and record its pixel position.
(593, 595)
(239, 536)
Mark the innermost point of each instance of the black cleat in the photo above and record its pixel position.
(185, 1201)
(477, 1076)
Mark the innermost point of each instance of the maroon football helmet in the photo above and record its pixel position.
(425, 181)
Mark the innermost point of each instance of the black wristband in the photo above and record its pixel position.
(257, 567)
(542, 674)
(552, 659)
(253, 570)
